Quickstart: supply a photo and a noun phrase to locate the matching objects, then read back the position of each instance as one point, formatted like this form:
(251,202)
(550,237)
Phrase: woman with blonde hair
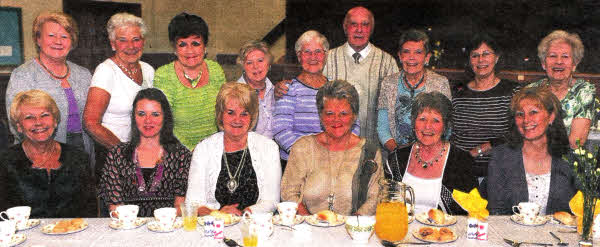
(53,178)
(55,34)
(235,170)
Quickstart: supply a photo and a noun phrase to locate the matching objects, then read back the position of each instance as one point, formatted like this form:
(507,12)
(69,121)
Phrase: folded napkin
(472,203)
(576,205)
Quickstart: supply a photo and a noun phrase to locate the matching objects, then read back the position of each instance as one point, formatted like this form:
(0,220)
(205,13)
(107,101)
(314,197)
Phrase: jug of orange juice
(391,217)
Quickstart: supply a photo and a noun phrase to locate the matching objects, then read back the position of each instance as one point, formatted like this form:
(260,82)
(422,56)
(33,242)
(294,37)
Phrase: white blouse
(538,187)
(427,190)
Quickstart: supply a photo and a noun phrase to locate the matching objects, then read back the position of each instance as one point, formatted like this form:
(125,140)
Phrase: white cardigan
(206,165)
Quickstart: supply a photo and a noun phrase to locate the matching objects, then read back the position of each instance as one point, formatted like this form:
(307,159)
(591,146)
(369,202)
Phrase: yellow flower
(590,156)
(575,163)
(577,151)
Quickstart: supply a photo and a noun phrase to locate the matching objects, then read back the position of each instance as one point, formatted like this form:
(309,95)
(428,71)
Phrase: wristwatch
(479,152)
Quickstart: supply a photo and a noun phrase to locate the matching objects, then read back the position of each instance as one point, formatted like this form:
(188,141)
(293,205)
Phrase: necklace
(429,163)
(157,175)
(333,180)
(55,75)
(232,184)
(413,88)
(129,72)
(193,81)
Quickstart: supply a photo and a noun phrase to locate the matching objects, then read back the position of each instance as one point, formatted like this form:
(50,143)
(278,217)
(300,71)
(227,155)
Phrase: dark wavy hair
(475,42)
(167,138)
(558,140)
(185,25)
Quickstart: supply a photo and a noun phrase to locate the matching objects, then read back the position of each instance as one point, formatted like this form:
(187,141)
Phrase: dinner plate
(119,226)
(315,221)
(155,226)
(539,220)
(234,220)
(418,236)
(31,223)
(297,220)
(47,229)
(424,219)
(17,239)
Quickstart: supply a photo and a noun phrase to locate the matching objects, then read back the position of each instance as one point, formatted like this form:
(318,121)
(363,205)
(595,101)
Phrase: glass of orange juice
(189,211)
(391,216)
(249,234)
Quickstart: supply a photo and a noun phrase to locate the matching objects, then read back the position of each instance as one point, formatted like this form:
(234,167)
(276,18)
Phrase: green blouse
(578,103)
(193,109)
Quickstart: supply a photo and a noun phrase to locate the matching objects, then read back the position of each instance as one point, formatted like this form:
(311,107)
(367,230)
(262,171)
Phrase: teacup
(287,212)
(126,215)
(528,211)
(360,228)
(165,217)
(7,230)
(19,214)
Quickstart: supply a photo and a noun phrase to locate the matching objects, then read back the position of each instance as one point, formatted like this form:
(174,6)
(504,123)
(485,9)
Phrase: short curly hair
(572,39)
(124,19)
(35,98)
(251,46)
(185,25)
(244,94)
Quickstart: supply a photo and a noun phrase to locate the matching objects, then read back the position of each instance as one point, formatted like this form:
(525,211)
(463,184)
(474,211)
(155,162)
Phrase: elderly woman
(529,167)
(322,166)
(55,34)
(235,170)
(191,82)
(432,166)
(560,52)
(481,114)
(256,60)
(151,170)
(116,81)
(296,113)
(53,178)
(399,90)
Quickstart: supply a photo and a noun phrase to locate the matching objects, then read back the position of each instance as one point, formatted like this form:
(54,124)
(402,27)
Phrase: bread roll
(428,233)
(437,216)
(565,218)
(446,234)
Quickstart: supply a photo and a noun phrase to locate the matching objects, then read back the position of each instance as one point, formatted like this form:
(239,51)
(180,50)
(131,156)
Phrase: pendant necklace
(413,88)
(333,180)
(193,81)
(232,183)
(426,164)
(55,75)
(157,176)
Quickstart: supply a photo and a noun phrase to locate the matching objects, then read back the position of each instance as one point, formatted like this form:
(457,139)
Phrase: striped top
(193,109)
(296,115)
(482,116)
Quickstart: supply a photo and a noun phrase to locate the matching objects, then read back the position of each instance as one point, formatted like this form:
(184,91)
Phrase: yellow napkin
(576,205)
(472,203)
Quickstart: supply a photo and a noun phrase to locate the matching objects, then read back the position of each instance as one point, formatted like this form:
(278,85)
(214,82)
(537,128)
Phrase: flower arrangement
(586,169)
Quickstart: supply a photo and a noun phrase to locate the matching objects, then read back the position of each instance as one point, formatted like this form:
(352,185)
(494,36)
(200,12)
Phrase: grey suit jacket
(507,186)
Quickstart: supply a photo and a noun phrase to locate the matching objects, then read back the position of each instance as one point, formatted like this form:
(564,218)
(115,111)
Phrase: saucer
(119,226)
(31,223)
(314,220)
(297,220)
(18,239)
(155,226)
(539,220)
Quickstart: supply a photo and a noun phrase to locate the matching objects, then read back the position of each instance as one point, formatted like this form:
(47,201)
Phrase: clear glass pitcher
(392,214)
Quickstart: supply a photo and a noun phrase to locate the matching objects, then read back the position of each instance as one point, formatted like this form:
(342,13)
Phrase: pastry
(63,226)
(222,216)
(565,218)
(436,216)
(326,215)
(428,233)
(445,234)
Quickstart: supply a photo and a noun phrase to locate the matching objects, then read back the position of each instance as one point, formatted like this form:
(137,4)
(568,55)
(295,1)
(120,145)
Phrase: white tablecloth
(99,234)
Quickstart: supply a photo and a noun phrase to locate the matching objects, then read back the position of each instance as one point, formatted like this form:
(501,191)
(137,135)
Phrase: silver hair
(124,19)
(572,39)
(309,36)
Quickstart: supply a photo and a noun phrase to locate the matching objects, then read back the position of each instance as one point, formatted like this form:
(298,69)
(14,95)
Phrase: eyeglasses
(317,52)
(485,54)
